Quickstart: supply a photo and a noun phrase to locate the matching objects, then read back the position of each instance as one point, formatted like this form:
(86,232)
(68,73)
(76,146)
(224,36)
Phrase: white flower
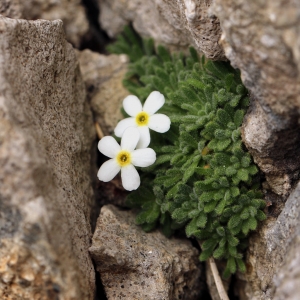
(124,158)
(144,117)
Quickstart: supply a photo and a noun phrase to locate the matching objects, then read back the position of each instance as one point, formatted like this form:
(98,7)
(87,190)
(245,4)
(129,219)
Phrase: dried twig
(99,131)
(217,278)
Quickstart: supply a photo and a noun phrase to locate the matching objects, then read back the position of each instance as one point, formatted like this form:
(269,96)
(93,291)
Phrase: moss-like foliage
(203,178)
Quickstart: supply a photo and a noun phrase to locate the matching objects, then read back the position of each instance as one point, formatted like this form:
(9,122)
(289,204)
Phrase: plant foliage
(203,179)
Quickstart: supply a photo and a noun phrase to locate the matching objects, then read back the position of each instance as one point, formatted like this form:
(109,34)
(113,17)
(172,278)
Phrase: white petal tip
(130,178)
(123,125)
(108,170)
(160,123)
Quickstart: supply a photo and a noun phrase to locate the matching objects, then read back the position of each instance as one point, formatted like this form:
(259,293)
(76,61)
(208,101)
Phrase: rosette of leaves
(203,179)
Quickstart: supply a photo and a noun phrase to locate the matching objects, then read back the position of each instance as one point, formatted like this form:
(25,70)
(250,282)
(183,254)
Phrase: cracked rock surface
(46,132)
(273,256)
(134,264)
(176,23)
(262,39)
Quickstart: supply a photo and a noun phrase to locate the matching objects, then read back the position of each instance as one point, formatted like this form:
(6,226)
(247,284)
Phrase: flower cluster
(135,138)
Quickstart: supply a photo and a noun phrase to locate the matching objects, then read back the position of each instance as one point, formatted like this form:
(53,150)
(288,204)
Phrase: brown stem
(99,131)
(218,281)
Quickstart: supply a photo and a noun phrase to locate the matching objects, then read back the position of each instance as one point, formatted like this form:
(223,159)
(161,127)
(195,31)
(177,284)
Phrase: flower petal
(143,157)
(144,140)
(132,105)
(108,170)
(130,139)
(123,125)
(130,178)
(159,122)
(109,146)
(154,102)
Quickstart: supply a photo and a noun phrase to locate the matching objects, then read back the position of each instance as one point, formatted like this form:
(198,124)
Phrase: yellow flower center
(142,118)
(123,158)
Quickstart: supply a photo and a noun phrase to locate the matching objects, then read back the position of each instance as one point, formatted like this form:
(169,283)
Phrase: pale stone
(273,256)
(10,8)
(71,12)
(134,264)
(46,133)
(175,23)
(103,75)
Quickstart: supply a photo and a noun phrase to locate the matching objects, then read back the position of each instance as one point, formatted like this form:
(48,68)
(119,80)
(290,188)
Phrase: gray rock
(10,8)
(71,12)
(174,23)
(287,282)
(273,256)
(103,75)
(262,39)
(138,265)
(46,132)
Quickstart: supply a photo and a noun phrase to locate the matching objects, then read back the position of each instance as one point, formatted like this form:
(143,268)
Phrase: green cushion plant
(203,180)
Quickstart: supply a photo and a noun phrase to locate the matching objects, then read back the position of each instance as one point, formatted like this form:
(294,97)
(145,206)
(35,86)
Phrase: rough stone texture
(71,12)
(287,282)
(46,132)
(103,77)
(273,256)
(262,39)
(10,8)
(138,265)
(179,22)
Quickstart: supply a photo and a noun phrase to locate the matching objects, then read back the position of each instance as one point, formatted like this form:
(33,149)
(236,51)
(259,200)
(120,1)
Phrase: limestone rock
(71,12)
(273,256)
(138,265)
(287,282)
(175,23)
(10,8)
(46,132)
(262,39)
(146,20)
(103,75)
